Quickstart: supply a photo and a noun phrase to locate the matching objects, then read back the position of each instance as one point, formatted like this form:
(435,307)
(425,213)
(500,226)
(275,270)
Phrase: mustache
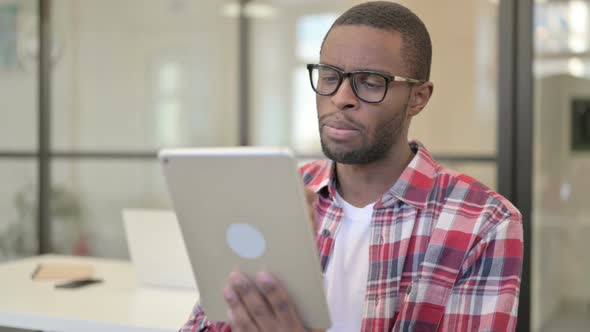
(340,116)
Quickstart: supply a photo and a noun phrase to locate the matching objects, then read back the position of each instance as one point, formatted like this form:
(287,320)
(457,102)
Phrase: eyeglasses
(368,86)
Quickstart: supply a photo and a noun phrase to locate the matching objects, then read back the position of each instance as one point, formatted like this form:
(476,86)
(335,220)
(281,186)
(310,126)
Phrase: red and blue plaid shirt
(445,252)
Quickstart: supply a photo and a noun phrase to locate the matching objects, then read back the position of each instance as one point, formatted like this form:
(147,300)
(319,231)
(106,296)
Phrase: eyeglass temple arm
(405,79)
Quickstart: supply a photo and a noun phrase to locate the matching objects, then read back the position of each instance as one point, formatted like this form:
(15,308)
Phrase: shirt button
(325,232)
(408,290)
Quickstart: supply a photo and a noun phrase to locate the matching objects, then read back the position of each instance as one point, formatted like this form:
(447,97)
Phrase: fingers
(279,300)
(239,317)
(251,312)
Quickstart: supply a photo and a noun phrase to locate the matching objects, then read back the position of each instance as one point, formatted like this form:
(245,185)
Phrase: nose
(344,98)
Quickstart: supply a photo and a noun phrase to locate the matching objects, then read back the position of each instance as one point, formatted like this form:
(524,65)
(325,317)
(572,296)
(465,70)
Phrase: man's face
(353,131)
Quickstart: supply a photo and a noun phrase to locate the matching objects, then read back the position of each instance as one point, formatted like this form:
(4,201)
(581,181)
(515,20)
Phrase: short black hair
(416,44)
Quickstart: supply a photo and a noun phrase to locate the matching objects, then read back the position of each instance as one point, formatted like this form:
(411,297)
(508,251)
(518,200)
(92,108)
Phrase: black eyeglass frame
(350,75)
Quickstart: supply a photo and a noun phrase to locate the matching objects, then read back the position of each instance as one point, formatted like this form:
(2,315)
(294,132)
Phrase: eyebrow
(362,69)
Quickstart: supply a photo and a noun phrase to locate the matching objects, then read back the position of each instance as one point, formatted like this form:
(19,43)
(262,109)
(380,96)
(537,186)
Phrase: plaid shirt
(445,252)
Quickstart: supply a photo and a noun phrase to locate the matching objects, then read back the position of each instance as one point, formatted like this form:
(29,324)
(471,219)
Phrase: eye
(371,85)
(371,81)
(329,78)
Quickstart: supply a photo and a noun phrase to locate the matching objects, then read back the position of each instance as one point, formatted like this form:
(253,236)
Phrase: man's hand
(262,305)
(312,202)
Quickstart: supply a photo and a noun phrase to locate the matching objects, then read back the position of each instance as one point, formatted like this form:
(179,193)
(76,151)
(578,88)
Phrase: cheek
(371,127)
(369,119)
(374,118)
(322,104)
(317,104)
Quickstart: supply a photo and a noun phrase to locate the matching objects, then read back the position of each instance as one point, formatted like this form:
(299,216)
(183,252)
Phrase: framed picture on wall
(8,36)
(581,125)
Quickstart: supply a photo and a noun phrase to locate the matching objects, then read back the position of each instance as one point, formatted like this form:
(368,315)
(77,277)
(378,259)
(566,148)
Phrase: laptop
(157,249)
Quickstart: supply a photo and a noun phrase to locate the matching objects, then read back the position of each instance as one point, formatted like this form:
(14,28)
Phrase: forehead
(361,47)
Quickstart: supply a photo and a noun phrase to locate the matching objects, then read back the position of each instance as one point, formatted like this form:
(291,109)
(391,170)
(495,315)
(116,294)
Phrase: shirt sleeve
(198,322)
(485,298)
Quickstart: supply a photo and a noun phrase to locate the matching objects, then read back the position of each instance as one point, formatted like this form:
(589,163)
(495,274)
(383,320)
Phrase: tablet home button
(245,240)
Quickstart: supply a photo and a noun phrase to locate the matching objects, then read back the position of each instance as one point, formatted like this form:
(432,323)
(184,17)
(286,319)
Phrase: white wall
(561,220)
(109,87)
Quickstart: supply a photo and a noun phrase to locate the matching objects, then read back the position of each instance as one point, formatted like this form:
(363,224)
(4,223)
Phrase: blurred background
(127,78)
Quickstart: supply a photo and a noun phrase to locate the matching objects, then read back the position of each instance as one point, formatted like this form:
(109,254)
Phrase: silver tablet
(245,208)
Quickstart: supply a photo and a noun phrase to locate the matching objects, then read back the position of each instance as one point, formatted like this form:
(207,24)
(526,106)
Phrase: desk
(116,305)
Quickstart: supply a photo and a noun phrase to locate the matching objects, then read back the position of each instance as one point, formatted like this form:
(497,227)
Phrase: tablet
(245,208)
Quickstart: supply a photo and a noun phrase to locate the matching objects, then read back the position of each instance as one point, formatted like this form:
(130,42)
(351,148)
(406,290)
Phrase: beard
(373,147)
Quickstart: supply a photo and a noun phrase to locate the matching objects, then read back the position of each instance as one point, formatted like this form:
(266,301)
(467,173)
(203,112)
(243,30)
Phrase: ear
(420,96)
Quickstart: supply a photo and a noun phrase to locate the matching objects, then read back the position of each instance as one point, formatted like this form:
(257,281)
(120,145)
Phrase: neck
(361,185)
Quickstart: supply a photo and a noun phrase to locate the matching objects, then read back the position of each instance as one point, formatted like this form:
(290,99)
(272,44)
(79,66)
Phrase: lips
(339,124)
(340,130)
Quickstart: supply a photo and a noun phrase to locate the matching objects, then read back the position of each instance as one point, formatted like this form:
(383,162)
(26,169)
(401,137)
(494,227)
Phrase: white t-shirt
(346,276)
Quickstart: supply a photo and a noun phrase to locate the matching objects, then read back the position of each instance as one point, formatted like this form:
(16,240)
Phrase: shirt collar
(413,186)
